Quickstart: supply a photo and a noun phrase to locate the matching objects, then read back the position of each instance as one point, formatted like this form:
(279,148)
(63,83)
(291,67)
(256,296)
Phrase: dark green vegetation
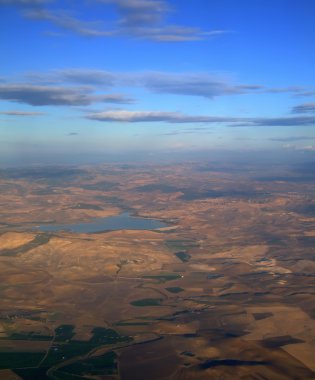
(164,277)
(98,365)
(39,240)
(30,336)
(64,333)
(181,245)
(32,373)
(147,302)
(102,336)
(20,359)
(122,323)
(63,348)
(63,351)
(67,376)
(183,256)
(101,186)
(230,363)
(213,276)
(175,289)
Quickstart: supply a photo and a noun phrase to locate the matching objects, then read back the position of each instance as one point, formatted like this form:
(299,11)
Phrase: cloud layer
(201,84)
(55,96)
(141,19)
(21,113)
(290,138)
(154,116)
(304,108)
(83,87)
(133,13)
(180,118)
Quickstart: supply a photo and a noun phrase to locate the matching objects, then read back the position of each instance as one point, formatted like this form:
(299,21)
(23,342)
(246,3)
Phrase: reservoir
(123,221)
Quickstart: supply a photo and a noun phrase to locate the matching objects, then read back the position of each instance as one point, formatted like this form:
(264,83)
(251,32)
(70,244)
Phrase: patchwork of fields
(225,290)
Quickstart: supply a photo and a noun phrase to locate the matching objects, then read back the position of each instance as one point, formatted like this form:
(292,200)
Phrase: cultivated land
(225,292)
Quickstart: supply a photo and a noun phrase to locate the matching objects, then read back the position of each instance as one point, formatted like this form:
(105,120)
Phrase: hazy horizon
(110,78)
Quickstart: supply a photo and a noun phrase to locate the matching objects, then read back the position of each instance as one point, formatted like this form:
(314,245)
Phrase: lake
(123,221)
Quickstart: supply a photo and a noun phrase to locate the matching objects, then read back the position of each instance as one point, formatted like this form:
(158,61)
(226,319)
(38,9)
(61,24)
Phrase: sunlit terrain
(224,288)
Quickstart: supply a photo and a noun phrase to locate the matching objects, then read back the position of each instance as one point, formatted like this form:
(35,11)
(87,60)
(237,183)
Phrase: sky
(87,78)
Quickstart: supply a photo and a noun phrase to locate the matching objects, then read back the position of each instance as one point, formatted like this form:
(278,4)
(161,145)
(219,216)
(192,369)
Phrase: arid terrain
(225,290)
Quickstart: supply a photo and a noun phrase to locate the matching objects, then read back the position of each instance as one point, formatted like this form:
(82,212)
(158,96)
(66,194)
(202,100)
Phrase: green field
(103,335)
(183,256)
(71,348)
(181,245)
(64,351)
(147,302)
(64,333)
(132,323)
(175,289)
(20,359)
(32,373)
(164,277)
(30,336)
(98,365)
(68,376)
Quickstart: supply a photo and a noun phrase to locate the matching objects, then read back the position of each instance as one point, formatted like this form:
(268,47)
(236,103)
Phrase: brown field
(226,291)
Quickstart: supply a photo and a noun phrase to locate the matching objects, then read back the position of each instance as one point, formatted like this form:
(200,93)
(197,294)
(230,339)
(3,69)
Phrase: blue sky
(116,76)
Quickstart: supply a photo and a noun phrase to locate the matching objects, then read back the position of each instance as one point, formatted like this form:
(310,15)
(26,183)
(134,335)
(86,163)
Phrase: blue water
(120,222)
